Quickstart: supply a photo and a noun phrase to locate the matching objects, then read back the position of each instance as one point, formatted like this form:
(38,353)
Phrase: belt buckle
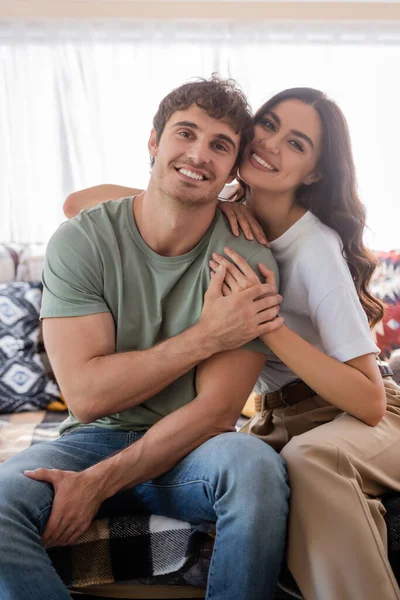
(384,368)
(271,400)
(286,399)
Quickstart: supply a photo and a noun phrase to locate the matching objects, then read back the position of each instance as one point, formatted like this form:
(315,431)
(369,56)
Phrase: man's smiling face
(194,157)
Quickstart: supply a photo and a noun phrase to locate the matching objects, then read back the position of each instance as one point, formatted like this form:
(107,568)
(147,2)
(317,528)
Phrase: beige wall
(59,9)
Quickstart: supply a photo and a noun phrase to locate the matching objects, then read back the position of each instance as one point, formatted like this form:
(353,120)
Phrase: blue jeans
(234,480)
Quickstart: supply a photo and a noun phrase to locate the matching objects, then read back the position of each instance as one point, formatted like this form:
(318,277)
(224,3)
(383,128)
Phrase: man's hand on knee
(77,499)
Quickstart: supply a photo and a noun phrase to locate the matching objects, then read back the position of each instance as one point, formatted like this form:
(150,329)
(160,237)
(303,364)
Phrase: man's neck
(167,227)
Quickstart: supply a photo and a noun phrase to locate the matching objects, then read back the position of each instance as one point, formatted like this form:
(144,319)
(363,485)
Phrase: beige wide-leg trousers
(337,543)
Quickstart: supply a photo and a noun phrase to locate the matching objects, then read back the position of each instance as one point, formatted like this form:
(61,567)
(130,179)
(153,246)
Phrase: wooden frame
(169,10)
(132,591)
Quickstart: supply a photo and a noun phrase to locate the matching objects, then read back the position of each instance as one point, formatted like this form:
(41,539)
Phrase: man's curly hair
(221,99)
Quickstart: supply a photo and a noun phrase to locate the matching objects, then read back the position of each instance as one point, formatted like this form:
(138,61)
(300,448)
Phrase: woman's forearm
(343,385)
(92,196)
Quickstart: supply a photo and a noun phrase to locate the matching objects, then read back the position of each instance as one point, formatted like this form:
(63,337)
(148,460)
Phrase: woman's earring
(311,180)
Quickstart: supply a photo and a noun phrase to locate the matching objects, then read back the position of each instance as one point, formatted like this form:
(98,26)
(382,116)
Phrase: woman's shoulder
(305,236)
(321,252)
(319,240)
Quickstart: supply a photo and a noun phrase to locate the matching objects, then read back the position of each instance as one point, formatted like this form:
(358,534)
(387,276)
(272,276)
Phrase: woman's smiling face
(285,150)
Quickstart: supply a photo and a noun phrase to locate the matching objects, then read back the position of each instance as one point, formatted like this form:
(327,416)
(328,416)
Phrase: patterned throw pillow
(386,286)
(23,382)
(8,262)
(31,262)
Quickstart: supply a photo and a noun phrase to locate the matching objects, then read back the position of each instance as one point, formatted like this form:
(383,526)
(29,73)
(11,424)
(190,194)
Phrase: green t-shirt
(98,262)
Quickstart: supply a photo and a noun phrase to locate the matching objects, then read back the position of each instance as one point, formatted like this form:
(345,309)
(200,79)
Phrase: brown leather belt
(296,391)
(288,395)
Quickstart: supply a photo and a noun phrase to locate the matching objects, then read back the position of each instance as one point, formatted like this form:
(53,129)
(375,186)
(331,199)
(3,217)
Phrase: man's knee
(21,496)
(244,450)
(254,466)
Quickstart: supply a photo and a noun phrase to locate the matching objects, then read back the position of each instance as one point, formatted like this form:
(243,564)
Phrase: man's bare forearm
(224,384)
(117,382)
(160,449)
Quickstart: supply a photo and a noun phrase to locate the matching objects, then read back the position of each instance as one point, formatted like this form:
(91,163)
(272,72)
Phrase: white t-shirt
(320,302)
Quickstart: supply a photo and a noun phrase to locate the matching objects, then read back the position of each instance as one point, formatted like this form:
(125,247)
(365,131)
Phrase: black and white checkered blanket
(124,548)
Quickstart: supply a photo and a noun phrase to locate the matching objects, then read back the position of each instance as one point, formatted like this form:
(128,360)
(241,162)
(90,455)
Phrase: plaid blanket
(124,548)
(135,547)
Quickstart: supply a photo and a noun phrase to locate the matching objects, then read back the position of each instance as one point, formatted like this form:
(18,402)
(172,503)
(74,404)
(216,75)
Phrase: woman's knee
(302,449)
(310,464)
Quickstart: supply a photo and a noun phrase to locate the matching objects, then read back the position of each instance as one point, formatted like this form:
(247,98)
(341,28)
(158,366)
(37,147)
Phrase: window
(77,103)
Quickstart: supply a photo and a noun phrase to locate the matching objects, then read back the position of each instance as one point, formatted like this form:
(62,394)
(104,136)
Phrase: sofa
(125,556)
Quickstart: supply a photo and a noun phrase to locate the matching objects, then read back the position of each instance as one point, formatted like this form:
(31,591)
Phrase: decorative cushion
(23,382)
(386,286)
(395,364)
(31,262)
(8,263)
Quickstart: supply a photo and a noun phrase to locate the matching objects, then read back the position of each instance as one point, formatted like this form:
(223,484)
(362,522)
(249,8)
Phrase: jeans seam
(35,521)
(174,485)
(210,578)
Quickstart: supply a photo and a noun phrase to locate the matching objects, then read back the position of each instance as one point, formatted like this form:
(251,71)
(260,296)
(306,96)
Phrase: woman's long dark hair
(334,198)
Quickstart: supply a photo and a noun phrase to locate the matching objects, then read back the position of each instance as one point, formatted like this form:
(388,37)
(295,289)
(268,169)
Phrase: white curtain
(77,101)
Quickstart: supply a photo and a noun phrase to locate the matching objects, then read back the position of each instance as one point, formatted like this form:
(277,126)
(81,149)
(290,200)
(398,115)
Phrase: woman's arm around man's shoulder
(92,196)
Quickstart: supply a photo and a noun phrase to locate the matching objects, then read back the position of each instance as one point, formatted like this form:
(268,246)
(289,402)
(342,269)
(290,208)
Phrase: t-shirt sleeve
(72,274)
(265,256)
(334,305)
(343,325)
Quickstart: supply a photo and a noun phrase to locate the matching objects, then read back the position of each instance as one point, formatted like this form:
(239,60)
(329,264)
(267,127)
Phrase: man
(153,369)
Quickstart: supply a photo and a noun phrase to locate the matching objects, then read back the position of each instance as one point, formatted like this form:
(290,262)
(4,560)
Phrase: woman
(340,441)
(321,398)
